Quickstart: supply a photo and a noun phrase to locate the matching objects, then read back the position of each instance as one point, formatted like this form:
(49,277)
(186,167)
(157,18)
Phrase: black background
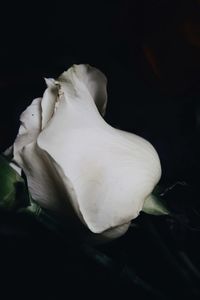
(149,50)
(150,53)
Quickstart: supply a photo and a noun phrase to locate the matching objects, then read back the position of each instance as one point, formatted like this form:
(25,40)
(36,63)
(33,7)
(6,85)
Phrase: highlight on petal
(80,77)
(30,127)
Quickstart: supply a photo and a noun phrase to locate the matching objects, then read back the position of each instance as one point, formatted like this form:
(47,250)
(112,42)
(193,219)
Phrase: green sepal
(154,205)
(13,191)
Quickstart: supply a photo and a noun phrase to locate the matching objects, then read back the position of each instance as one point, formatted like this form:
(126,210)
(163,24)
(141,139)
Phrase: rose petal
(45,184)
(30,127)
(88,78)
(49,101)
(111,173)
(114,233)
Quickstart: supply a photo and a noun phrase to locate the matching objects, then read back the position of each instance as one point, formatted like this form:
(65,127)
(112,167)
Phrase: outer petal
(45,183)
(91,79)
(111,173)
(111,234)
(30,127)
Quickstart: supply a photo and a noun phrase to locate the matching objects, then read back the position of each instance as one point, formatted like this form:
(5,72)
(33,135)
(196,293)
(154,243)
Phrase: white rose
(76,164)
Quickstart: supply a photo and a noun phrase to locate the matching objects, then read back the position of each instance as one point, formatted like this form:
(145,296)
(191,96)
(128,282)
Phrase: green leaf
(13,191)
(154,205)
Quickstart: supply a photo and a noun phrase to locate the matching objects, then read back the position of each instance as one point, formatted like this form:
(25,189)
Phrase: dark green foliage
(13,191)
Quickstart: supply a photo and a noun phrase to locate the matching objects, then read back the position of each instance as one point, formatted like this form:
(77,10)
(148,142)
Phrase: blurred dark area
(150,53)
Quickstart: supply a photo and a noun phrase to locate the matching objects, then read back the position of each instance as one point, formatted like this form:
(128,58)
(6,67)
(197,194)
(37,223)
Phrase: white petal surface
(29,129)
(44,182)
(87,78)
(49,101)
(111,172)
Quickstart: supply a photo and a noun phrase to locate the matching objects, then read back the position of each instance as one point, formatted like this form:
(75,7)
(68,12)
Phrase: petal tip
(50,82)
